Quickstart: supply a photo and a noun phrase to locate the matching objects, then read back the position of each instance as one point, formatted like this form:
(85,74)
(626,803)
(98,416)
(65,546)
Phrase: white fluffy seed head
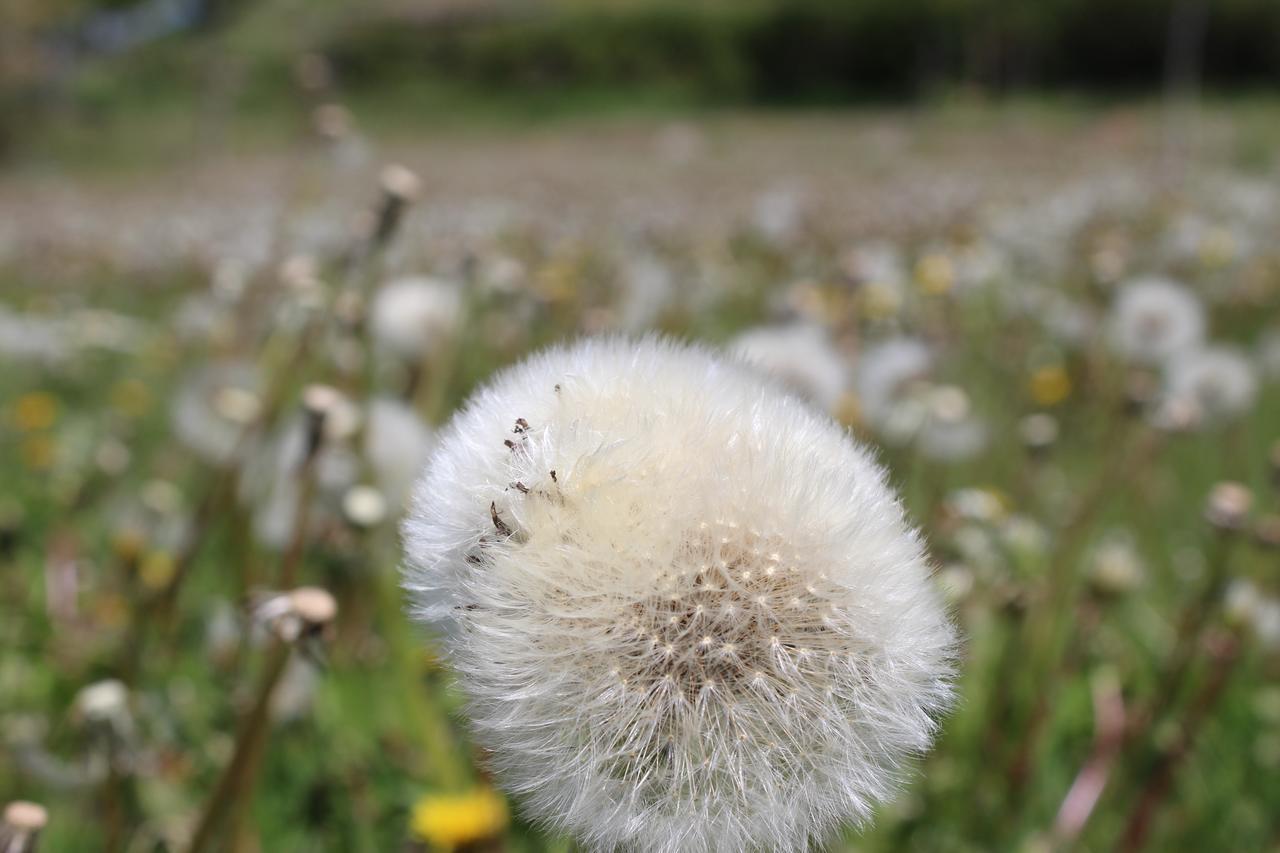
(411,317)
(1154,319)
(686,608)
(801,356)
(1217,382)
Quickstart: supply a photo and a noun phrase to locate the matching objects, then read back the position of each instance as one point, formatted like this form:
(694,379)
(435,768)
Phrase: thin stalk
(235,785)
(1224,653)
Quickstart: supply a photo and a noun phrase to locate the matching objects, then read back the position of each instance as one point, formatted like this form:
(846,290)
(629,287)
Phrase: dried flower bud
(398,182)
(315,606)
(20,825)
(102,700)
(314,72)
(364,506)
(319,402)
(1116,568)
(299,272)
(1266,531)
(1228,506)
(1039,432)
(332,121)
(400,187)
(301,612)
(1140,391)
(237,405)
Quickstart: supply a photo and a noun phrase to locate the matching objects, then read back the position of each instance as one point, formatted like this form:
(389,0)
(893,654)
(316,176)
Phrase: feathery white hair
(687,609)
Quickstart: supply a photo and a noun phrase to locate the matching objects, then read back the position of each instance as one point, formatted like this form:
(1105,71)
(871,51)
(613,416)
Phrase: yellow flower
(1050,385)
(38,452)
(131,397)
(111,609)
(935,274)
(1217,248)
(448,821)
(880,301)
(557,280)
(156,570)
(34,411)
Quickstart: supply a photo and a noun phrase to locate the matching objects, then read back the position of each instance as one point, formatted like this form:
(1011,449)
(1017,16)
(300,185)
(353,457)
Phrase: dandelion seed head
(801,356)
(1154,319)
(712,630)
(410,317)
(1216,382)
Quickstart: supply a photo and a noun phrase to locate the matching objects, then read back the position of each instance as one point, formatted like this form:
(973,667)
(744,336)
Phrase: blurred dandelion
(1154,319)
(801,357)
(454,821)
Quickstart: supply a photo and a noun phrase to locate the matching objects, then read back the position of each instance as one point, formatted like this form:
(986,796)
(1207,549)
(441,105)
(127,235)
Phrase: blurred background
(253,254)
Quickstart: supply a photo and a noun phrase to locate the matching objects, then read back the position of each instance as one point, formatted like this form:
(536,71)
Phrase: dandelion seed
(649,439)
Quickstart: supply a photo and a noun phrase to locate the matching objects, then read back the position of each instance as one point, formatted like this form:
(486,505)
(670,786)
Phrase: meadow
(225,358)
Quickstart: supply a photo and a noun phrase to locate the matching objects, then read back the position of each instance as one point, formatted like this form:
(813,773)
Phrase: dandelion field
(219,379)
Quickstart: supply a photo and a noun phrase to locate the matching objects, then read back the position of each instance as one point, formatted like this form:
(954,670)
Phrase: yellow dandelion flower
(111,610)
(1050,385)
(448,821)
(128,544)
(131,398)
(1217,248)
(880,301)
(935,274)
(556,282)
(35,411)
(38,452)
(156,570)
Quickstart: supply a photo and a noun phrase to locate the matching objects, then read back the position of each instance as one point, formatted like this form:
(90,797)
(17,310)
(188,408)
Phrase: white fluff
(396,443)
(1154,319)
(886,372)
(411,316)
(201,420)
(1218,382)
(711,629)
(801,356)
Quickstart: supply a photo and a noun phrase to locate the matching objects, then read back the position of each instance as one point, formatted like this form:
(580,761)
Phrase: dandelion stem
(1224,651)
(1056,640)
(235,786)
(1108,739)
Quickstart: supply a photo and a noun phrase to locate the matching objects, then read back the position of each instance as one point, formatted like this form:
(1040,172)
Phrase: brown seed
(498,523)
